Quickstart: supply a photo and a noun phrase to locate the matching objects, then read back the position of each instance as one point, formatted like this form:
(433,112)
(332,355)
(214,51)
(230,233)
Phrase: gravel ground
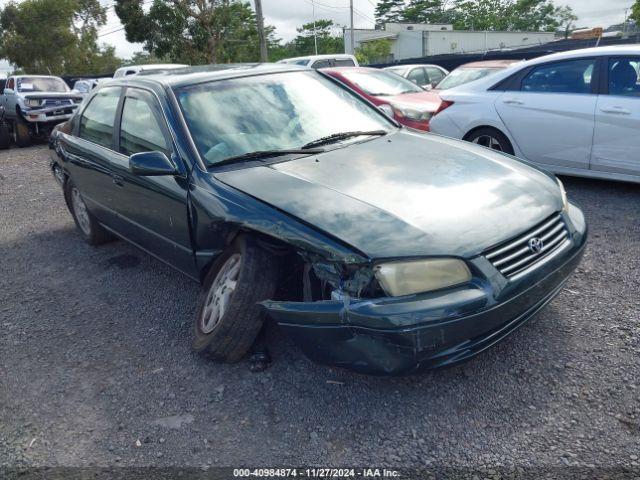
(96,366)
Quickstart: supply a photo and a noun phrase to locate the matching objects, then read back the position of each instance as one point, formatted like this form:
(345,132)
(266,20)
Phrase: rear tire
(23,135)
(5,136)
(91,231)
(229,317)
(490,138)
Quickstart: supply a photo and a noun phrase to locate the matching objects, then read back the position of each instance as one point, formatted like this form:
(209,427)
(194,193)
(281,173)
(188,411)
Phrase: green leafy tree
(55,37)
(328,37)
(190,31)
(635,12)
(529,15)
(426,11)
(389,11)
(373,51)
(566,19)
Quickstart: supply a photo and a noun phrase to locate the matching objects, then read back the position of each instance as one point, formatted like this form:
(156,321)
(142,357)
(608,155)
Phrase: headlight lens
(415,276)
(565,201)
(412,113)
(32,102)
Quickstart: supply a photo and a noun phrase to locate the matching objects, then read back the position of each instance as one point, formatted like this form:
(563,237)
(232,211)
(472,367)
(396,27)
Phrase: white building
(410,40)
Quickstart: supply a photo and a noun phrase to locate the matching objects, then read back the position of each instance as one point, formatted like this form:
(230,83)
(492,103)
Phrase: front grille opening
(526,250)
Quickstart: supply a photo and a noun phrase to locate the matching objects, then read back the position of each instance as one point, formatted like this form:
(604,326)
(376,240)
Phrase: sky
(286,15)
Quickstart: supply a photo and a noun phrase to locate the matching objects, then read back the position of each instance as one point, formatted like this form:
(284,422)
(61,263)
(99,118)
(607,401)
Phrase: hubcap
(488,141)
(80,209)
(220,293)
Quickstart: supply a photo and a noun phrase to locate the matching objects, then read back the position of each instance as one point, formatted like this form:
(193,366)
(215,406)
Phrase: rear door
(616,141)
(153,209)
(551,112)
(90,152)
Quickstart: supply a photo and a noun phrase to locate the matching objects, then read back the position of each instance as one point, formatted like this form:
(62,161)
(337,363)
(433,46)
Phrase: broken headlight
(32,102)
(415,276)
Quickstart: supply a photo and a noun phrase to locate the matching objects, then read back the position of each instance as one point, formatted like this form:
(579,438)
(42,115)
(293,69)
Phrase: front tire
(229,317)
(490,138)
(90,230)
(23,135)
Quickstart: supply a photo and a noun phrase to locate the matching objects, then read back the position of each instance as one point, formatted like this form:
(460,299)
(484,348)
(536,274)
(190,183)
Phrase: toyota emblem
(536,244)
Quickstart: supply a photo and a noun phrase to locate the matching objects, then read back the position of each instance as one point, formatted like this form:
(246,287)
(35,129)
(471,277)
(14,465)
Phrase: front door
(152,209)
(616,141)
(551,116)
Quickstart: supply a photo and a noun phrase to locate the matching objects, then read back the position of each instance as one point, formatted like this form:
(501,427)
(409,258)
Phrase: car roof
(350,69)
(317,57)
(176,78)
(490,63)
(412,65)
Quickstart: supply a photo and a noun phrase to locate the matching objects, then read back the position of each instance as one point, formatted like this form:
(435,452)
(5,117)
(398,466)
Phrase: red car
(398,97)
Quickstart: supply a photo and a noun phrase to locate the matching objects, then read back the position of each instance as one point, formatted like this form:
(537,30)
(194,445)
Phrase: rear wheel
(92,232)
(23,135)
(229,317)
(490,138)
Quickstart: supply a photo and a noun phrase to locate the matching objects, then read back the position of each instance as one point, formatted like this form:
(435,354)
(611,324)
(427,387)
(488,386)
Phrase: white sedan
(574,113)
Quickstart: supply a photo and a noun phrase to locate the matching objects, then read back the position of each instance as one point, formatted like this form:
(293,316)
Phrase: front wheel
(23,135)
(229,317)
(491,138)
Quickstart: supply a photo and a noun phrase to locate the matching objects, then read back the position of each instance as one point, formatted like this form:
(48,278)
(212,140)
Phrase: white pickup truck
(31,105)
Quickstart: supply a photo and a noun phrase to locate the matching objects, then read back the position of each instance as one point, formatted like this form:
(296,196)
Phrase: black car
(378,249)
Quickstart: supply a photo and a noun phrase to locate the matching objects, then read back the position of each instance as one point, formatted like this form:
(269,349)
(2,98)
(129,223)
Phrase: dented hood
(407,194)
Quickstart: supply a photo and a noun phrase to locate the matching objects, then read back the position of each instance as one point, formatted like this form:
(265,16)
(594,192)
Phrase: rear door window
(624,76)
(434,74)
(570,76)
(417,76)
(344,62)
(321,64)
(98,118)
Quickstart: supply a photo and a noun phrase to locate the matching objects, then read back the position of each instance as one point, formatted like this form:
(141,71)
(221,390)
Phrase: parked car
(575,113)
(136,69)
(472,71)
(425,76)
(323,61)
(396,96)
(85,85)
(34,104)
(283,192)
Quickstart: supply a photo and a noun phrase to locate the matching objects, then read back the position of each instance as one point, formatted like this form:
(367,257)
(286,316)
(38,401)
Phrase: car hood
(431,101)
(407,194)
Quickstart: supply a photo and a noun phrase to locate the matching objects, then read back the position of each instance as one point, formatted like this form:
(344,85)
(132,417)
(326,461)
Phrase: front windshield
(41,84)
(380,83)
(460,76)
(232,117)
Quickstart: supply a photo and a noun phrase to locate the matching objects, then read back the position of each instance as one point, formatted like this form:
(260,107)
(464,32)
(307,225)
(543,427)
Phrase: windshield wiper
(259,154)
(335,137)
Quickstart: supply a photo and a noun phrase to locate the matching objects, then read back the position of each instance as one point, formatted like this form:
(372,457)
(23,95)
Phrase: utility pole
(351,28)
(261,35)
(315,38)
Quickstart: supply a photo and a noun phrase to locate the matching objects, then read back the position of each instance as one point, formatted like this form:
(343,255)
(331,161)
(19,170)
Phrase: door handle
(117,180)
(616,109)
(513,101)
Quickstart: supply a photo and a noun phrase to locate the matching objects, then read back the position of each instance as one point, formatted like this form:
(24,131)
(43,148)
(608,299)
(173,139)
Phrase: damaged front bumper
(404,335)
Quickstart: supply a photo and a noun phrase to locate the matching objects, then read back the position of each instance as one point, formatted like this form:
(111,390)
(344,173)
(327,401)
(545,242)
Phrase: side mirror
(148,164)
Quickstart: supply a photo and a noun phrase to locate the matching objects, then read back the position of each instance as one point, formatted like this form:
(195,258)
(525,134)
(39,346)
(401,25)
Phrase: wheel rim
(489,142)
(220,293)
(81,212)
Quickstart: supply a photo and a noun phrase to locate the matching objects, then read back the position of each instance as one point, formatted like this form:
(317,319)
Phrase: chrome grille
(519,254)
(57,102)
